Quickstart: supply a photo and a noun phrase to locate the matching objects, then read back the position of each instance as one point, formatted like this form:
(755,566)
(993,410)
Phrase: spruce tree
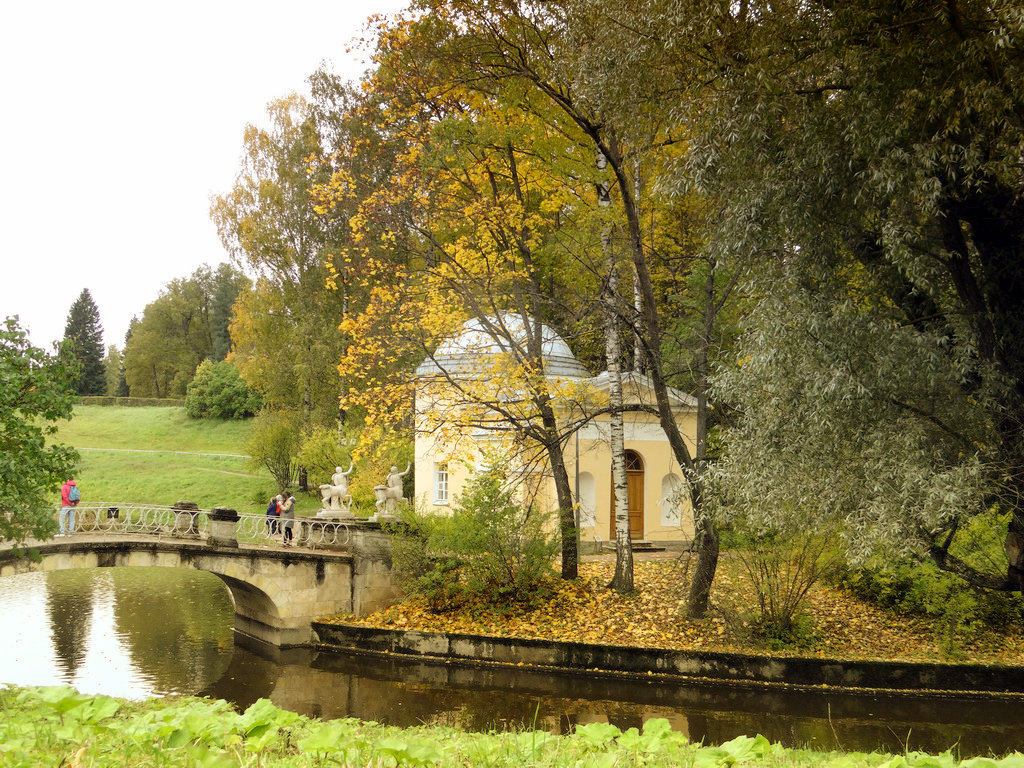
(84,334)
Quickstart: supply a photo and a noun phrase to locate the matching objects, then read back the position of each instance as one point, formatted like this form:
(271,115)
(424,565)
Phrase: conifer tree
(84,334)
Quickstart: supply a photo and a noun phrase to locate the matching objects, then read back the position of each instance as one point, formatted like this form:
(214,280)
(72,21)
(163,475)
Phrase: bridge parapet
(223,527)
(338,567)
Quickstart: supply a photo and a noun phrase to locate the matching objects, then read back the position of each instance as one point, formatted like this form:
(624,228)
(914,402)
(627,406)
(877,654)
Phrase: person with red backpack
(70,495)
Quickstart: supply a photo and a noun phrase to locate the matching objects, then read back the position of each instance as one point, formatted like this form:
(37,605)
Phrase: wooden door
(635,491)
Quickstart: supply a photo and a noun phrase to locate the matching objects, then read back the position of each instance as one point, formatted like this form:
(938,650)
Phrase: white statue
(389,494)
(335,496)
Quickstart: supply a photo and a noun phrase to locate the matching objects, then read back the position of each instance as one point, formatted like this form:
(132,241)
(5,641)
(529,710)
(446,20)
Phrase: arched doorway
(635,488)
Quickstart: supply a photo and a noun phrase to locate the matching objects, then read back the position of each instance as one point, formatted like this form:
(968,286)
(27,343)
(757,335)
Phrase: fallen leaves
(584,610)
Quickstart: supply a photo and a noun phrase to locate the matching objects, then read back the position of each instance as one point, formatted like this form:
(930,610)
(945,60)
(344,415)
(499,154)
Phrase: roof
(500,335)
(638,388)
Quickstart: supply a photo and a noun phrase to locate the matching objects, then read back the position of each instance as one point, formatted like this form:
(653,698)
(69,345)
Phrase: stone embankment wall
(730,667)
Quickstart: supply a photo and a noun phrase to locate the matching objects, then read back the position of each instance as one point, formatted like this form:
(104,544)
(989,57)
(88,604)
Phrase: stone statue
(389,494)
(335,496)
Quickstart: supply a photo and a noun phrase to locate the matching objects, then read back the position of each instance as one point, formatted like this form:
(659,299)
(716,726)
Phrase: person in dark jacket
(273,511)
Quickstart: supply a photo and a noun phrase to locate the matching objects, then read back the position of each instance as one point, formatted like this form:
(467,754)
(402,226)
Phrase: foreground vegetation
(56,726)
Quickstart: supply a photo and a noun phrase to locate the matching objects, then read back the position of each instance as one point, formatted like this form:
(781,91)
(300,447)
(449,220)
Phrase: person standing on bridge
(288,516)
(273,510)
(69,498)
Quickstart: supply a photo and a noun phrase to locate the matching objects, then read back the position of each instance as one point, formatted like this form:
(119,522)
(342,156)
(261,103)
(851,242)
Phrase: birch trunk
(622,581)
(693,467)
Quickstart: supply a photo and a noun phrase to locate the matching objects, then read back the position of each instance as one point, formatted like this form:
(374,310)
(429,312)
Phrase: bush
(490,549)
(272,445)
(320,453)
(782,569)
(132,402)
(218,392)
(921,589)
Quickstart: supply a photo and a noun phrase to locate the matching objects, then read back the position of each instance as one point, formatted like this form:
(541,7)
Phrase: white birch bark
(622,581)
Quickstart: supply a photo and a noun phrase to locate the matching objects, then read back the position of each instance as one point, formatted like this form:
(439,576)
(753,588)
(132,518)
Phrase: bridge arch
(276,594)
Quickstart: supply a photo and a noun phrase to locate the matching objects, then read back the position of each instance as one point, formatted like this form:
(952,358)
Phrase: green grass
(165,429)
(142,455)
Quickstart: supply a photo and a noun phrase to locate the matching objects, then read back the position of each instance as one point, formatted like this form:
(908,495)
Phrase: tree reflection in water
(69,604)
(155,631)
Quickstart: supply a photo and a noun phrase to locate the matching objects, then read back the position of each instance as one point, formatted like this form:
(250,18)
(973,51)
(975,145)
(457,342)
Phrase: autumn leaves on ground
(840,625)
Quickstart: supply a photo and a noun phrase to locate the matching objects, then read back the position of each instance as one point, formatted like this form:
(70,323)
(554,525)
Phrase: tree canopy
(178,330)
(869,157)
(83,337)
(35,392)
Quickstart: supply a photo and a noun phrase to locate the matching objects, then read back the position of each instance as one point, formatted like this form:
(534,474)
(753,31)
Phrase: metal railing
(330,534)
(132,518)
(153,520)
(306,531)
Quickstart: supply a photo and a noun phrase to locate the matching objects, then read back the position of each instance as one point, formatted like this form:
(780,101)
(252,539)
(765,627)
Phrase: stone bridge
(277,593)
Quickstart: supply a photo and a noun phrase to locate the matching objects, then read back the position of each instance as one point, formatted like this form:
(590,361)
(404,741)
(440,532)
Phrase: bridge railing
(150,519)
(257,529)
(306,531)
(132,518)
(329,534)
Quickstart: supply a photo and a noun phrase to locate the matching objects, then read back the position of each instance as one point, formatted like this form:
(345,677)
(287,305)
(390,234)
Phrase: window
(441,483)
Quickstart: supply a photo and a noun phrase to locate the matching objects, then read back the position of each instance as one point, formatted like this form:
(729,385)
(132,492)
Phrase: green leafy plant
(273,443)
(35,393)
(921,589)
(218,392)
(490,549)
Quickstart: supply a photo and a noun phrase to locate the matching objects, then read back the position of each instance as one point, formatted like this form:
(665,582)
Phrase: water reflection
(403,692)
(121,631)
(69,601)
(153,631)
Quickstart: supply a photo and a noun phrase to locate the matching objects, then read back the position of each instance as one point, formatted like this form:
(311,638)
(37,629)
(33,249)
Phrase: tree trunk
(563,492)
(622,581)
(704,533)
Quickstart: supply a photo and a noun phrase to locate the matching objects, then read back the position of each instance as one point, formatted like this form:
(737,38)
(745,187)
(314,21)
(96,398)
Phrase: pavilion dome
(463,354)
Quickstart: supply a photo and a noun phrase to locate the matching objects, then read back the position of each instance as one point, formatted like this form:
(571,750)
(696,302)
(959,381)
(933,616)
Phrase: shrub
(782,569)
(921,589)
(272,444)
(321,452)
(133,402)
(490,549)
(218,392)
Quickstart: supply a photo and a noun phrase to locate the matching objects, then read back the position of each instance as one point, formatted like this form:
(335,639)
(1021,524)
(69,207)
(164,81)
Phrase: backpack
(74,494)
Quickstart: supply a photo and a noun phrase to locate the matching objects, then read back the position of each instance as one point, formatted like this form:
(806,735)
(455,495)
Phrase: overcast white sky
(119,119)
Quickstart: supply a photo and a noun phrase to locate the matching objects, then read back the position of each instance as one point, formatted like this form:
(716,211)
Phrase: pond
(140,632)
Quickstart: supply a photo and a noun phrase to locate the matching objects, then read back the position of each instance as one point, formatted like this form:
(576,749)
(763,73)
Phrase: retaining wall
(730,667)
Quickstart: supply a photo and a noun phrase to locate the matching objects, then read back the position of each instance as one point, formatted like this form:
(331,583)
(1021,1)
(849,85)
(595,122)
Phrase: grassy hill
(160,456)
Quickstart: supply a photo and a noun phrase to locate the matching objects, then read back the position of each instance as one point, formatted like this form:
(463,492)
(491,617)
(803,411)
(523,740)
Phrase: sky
(119,120)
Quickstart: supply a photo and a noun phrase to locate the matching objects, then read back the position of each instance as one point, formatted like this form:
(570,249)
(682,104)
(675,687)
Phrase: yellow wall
(645,437)
(593,467)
